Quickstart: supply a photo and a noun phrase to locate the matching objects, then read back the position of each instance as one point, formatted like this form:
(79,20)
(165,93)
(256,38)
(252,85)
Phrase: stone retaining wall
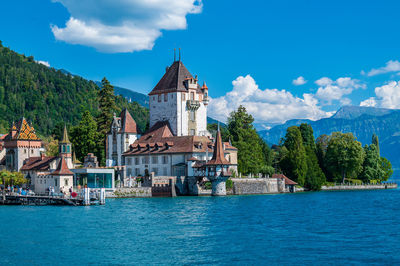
(359,187)
(247,186)
(134,192)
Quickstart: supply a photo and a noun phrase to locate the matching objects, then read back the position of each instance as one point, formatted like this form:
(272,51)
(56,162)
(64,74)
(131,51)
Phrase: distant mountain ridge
(130,95)
(361,121)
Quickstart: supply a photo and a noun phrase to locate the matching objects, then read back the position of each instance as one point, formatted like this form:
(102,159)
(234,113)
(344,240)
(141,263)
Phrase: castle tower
(65,148)
(21,143)
(62,176)
(218,168)
(180,100)
(124,131)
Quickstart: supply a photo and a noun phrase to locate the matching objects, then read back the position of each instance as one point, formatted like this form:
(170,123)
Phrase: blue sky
(248,52)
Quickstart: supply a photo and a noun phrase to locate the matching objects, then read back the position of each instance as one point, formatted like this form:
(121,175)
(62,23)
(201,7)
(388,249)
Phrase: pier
(86,197)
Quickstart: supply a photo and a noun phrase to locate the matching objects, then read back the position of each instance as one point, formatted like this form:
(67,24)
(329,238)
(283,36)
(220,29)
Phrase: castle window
(183,96)
(165,171)
(155,170)
(129,161)
(165,97)
(137,161)
(25,151)
(154,98)
(192,96)
(192,116)
(66,182)
(159,98)
(192,132)
(172,96)
(55,182)
(154,159)
(165,159)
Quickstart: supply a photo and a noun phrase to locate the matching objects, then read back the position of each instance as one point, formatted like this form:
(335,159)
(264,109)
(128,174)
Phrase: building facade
(124,131)
(179,99)
(20,144)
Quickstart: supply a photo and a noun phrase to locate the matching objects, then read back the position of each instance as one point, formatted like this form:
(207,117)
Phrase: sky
(282,60)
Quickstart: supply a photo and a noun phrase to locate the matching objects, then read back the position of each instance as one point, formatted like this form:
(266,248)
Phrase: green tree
(386,167)
(84,137)
(314,176)
(371,166)
(375,140)
(245,138)
(344,156)
(294,164)
(51,146)
(106,107)
(12,178)
(321,144)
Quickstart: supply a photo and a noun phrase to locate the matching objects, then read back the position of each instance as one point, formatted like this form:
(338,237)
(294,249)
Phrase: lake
(305,228)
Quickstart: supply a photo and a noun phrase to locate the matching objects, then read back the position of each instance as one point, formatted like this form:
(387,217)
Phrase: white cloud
(123,25)
(330,90)
(266,106)
(387,96)
(391,66)
(43,63)
(299,81)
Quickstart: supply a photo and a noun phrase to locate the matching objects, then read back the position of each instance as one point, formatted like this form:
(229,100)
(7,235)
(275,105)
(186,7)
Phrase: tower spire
(65,138)
(174,54)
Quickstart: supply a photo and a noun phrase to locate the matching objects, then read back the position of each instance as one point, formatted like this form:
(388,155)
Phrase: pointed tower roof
(62,168)
(173,79)
(74,160)
(204,87)
(65,139)
(23,131)
(128,124)
(218,155)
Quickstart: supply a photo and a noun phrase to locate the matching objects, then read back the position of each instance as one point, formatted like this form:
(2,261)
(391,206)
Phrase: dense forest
(47,97)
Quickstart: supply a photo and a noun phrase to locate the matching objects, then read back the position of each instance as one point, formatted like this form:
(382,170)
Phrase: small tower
(62,177)
(65,147)
(218,168)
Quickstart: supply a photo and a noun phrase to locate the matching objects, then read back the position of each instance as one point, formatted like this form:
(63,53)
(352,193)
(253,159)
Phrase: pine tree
(107,108)
(375,141)
(314,177)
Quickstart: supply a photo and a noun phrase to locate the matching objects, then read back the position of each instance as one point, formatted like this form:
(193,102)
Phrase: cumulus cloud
(43,63)
(391,66)
(266,106)
(387,96)
(122,25)
(330,90)
(299,81)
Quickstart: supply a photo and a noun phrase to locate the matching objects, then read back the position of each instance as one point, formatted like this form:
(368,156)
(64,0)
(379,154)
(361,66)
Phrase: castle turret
(218,168)
(65,148)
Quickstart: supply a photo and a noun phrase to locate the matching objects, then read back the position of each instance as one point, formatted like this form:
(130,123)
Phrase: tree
(85,137)
(371,166)
(106,107)
(344,156)
(386,167)
(51,146)
(12,178)
(375,141)
(294,164)
(245,138)
(321,147)
(314,176)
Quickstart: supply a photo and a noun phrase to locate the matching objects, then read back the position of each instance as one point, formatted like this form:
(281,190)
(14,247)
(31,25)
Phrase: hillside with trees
(48,97)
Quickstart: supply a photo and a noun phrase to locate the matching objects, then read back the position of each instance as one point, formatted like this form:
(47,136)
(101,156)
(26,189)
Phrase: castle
(178,138)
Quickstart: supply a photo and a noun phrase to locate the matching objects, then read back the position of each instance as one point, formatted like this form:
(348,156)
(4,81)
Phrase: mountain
(130,95)
(47,96)
(361,121)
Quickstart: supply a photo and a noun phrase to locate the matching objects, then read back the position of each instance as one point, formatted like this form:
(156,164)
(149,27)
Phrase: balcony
(192,105)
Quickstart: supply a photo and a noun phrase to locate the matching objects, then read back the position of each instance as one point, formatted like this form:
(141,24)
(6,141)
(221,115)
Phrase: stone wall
(134,192)
(247,186)
(359,187)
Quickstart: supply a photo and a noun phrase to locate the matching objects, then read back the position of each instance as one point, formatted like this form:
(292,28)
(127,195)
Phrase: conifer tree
(107,108)
(314,177)
(294,165)
(375,141)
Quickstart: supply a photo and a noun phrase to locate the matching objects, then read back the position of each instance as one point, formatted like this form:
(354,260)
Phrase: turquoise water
(305,228)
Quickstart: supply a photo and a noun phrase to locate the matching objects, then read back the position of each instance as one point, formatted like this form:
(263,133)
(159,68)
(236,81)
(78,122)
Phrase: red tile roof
(62,168)
(38,163)
(128,124)
(287,180)
(23,131)
(218,155)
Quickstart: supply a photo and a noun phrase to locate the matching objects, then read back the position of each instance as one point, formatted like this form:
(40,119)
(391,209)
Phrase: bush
(229,184)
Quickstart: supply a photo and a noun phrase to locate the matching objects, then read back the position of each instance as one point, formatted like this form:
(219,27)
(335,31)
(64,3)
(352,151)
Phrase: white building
(180,100)
(178,138)
(124,131)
